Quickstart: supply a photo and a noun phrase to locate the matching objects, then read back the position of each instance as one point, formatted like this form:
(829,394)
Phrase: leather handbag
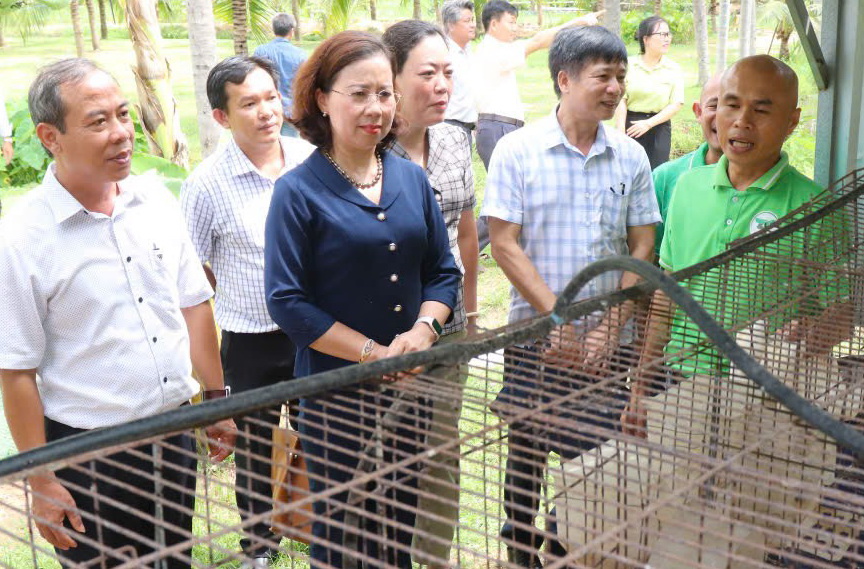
(290,485)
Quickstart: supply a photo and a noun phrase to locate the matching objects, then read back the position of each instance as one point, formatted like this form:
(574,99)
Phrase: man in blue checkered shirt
(562,193)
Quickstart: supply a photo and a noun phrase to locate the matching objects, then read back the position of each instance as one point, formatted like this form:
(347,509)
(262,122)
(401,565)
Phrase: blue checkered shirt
(573,209)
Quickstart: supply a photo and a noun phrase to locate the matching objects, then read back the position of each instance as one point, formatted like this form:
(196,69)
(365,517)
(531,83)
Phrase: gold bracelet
(472,314)
(367,350)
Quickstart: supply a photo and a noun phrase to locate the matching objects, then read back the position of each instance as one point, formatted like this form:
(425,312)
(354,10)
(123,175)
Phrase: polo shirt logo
(762,220)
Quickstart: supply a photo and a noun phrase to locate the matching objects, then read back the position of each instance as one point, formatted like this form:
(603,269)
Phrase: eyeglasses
(363,97)
(664,35)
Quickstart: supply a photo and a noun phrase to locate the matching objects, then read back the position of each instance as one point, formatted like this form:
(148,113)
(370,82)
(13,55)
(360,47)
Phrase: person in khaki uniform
(752,186)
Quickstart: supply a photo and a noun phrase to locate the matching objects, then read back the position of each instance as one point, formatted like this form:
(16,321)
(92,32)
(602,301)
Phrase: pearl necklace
(355,183)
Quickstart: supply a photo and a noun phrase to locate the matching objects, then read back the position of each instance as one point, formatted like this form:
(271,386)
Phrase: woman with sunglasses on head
(655,92)
(423,74)
(357,268)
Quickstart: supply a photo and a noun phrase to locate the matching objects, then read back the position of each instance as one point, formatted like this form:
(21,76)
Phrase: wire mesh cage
(714,424)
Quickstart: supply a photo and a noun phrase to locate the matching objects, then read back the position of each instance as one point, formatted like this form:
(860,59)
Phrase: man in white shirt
(105,299)
(562,193)
(225,202)
(457,17)
(495,62)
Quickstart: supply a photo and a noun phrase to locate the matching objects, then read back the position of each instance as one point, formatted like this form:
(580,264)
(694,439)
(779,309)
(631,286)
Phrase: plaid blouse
(449,170)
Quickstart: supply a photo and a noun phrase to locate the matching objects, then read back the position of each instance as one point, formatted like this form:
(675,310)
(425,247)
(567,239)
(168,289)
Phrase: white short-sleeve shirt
(92,302)
(494,67)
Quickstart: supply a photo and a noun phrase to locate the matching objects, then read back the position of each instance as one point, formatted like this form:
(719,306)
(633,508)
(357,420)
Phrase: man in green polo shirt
(666,175)
(774,298)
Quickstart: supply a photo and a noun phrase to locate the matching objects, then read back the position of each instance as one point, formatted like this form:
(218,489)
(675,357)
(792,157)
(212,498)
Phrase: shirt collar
(637,61)
(64,205)
(455,46)
(240,165)
(765,182)
(698,157)
(553,135)
(437,148)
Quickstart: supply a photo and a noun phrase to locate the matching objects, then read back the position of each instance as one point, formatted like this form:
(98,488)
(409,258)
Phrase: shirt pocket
(612,216)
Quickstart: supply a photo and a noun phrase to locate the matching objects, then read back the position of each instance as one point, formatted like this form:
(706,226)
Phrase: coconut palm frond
(338,13)
(26,17)
(259,14)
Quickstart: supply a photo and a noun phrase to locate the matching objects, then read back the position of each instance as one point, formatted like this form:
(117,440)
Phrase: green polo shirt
(706,215)
(666,176)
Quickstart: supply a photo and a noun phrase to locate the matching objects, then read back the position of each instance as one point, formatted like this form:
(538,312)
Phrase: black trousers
(529,444)
(134,509)
(251,361)
(657,142)
(330,427)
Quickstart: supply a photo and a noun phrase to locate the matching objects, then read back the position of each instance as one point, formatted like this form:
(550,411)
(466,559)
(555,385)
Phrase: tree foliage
(26,17)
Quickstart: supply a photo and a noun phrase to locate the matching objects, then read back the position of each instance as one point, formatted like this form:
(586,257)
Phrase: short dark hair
(451,11)
(283,24)
(403,36)
(646,28)
(574,48)
(319,73)
(44,98)
(494,9)
(234,70)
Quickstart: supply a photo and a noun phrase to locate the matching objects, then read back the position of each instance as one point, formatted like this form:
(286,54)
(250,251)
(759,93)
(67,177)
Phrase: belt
(500,118)
(463,124)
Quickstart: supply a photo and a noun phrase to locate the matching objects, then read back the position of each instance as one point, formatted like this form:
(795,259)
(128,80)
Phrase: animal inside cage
(556,442)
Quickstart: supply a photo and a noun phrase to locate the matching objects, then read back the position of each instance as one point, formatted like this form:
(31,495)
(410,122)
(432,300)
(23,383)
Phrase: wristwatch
(216,393)
(433,325)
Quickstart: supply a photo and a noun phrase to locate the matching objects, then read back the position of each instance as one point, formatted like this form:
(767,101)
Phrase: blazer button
(382,216)
(392,246)
(397,308)
(394,277)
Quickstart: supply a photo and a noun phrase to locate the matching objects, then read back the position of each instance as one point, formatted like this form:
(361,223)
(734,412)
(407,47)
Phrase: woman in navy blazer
(357,268)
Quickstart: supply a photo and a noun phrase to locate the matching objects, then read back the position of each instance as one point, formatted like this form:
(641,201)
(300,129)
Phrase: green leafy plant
(31,160)
(680,24)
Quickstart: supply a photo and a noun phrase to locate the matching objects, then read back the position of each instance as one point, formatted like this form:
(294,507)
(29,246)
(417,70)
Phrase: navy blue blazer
(331,255)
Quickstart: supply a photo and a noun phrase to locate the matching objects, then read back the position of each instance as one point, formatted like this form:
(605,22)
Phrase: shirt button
(164,380)
(128,259)
(392,246)
(382,216)
(394,277)
(728,222)
(140,299)
(735,199)
(397,308)
(154,339)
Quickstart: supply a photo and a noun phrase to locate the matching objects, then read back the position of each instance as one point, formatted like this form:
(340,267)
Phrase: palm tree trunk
(76,28)
(700,22)
(722,35)
(612,18)
(295,9)
(2,39)
(373,10)
(157,107)
(202,42)
(239,27)
(91,16)
(103,20)
(418,10)
(745,35)
(658,7)
(539,13)
(784,44)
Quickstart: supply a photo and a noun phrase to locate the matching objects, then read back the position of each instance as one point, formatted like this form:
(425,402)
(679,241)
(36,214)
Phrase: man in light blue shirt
(287,58)
(562,193)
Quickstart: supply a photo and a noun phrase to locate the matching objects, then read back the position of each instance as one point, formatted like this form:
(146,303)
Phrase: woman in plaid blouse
(423,74)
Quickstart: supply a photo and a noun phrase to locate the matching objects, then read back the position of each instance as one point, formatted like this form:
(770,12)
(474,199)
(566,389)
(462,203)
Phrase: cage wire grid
(509,450)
